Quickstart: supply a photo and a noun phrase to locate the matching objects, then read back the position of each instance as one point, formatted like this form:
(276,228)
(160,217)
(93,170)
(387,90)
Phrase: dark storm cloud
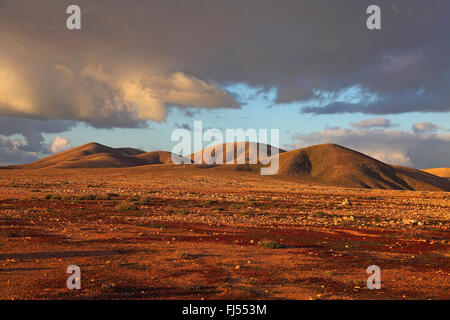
(132,59)
(392,103)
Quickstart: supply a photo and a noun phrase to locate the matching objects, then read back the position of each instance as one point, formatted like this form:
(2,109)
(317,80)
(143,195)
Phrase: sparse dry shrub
(127,206)
(273,245)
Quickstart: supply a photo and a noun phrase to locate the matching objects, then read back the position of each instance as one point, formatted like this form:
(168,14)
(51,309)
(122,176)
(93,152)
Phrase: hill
(328,164)
(95,155)
(340,166)
(231,153)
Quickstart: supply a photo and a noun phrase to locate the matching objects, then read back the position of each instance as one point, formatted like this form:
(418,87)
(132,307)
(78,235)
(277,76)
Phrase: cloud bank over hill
(417,149)
(22,141)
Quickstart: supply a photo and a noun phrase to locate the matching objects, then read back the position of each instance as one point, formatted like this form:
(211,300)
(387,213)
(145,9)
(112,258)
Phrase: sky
(137,70)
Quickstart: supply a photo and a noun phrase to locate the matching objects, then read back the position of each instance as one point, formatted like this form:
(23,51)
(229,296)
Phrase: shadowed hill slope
(95,155)
(336,165)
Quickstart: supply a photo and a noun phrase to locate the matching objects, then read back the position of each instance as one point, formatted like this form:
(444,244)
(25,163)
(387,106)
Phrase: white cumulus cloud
(60,144)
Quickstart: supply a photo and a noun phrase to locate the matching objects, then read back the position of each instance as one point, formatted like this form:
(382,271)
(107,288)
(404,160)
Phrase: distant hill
(230,153)
(340,166)
(440,172)
(95,155)
(326,163)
